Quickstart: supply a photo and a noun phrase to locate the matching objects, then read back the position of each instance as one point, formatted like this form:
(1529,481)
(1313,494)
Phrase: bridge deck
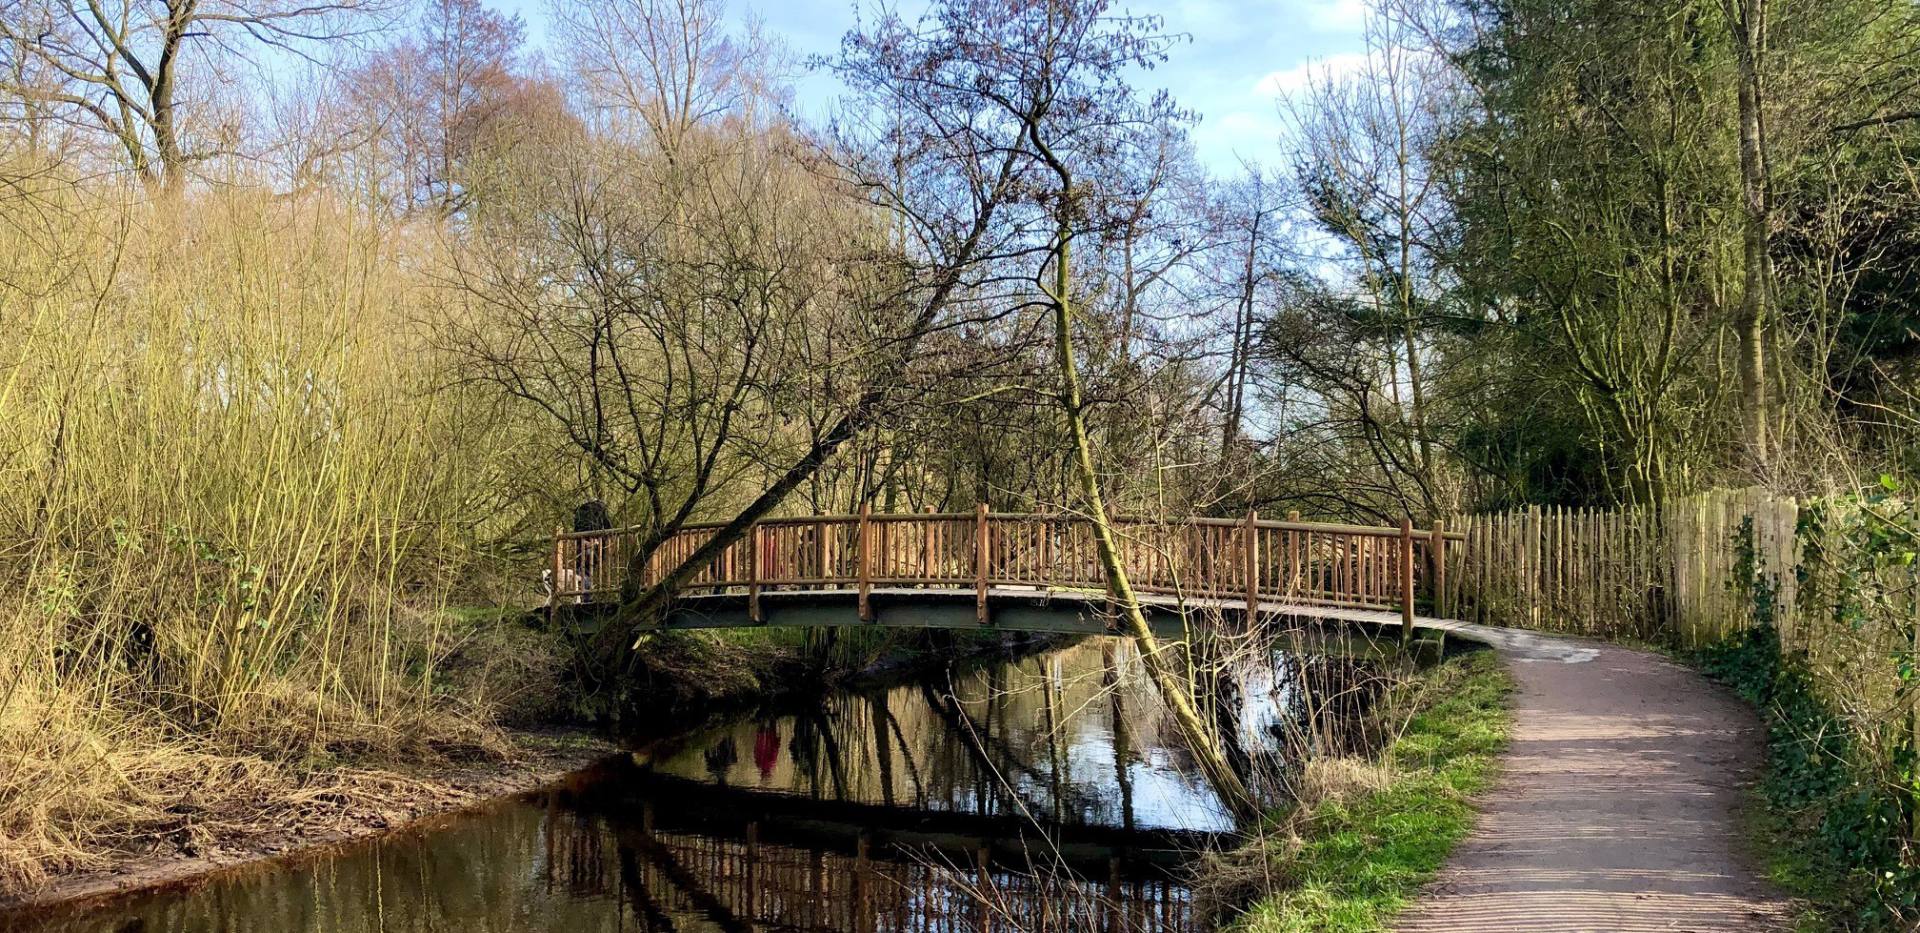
(1024,609)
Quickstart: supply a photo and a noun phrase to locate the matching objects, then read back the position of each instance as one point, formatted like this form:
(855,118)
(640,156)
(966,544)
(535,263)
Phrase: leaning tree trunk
(1200,738)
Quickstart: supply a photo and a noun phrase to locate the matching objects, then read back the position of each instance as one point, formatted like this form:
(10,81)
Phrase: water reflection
(1071,738)
(1047,794)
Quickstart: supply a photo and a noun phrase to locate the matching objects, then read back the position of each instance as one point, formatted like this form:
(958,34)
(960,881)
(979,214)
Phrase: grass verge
(1349,859)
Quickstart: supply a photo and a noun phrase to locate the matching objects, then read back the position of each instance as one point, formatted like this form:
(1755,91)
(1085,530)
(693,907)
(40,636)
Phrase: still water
(1042,794)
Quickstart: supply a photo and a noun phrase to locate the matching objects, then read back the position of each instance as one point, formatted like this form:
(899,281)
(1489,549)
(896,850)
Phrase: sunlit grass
(1352,861)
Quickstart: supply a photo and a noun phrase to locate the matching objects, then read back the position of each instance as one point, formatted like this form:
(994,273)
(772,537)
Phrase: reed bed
(227,515)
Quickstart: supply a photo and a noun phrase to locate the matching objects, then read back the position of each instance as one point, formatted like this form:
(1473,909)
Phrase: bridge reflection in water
(1044,794)
(768,878)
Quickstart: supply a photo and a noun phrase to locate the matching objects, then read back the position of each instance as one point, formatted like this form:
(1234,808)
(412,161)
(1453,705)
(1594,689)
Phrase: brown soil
(1618,808)
(391,800)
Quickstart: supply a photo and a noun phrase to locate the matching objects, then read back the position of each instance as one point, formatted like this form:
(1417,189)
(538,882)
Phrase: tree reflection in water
(1043,795)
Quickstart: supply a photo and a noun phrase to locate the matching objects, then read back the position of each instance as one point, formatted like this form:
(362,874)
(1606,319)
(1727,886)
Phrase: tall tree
(427,100)
(666,66)
(1747,29)
(115,66)
(1364,337)
(1038,93)
(911,153)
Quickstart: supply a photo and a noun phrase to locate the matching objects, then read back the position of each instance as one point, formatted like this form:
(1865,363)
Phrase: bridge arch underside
(1014,609)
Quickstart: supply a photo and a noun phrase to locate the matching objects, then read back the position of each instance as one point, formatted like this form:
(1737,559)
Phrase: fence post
(1297,578)
(866,574)
(1441,602)
(980,563)
(1406,579)
(1253,565)
(753,572)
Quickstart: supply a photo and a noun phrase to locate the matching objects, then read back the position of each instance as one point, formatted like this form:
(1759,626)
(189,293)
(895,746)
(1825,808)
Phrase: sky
(1240,57)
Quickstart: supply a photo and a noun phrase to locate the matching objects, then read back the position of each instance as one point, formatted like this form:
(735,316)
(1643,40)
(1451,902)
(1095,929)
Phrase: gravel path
(1617,807)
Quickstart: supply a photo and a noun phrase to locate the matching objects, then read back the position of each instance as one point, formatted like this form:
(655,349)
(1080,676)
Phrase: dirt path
(1617,807)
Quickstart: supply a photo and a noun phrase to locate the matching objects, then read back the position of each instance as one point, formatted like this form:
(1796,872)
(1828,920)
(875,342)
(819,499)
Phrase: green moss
(1357,863)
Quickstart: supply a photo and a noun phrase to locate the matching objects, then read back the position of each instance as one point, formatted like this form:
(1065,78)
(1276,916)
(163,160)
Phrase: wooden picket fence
(1657,574)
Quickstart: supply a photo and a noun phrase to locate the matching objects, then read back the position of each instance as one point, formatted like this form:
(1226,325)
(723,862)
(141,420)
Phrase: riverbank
(318,813)
(250,811)
(1366,833)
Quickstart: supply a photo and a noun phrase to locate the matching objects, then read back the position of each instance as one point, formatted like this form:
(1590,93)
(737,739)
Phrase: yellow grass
(225,514)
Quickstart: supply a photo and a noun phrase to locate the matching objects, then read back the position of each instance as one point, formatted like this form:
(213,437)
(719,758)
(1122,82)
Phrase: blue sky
(1241,56)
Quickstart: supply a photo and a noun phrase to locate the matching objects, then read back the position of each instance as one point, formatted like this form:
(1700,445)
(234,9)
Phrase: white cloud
(1324,70)
(1336,15)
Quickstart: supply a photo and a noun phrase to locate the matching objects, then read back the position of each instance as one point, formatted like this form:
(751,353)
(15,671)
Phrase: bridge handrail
(1382,531)
(1310,563)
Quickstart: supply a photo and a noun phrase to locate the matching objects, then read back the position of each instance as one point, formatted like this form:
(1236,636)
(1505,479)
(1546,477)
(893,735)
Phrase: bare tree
(1035,93)
(1252,211)
(115,66)
(424,102)
(1361,160)
(670,65)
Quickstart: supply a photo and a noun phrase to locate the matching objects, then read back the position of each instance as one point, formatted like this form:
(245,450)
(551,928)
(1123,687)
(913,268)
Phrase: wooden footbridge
(1038,572)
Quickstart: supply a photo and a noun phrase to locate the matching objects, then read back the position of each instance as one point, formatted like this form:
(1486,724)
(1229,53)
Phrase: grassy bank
(1827,832)
(1367,833)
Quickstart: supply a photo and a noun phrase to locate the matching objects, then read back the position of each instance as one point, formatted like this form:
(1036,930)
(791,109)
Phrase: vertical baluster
(1406,579)
(980,545)
(862,547)
(1252,553)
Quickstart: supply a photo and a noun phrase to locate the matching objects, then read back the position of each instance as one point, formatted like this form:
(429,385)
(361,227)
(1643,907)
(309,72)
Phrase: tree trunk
(1173,687)
(1242,341)
(166,135)
(1747,23)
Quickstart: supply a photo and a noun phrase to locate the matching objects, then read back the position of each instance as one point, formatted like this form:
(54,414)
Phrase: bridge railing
(1242,559)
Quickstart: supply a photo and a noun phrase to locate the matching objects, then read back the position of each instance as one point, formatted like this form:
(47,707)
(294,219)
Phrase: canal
(1047,793)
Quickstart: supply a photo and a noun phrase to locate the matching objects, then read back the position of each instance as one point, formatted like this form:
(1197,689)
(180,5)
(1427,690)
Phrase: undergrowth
(1838,700)
(1829,835)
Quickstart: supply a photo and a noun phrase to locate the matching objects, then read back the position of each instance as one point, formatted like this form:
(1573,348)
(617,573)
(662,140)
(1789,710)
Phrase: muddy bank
(355,805)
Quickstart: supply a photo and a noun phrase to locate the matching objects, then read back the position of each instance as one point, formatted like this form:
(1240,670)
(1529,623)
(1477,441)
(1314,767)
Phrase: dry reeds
(224,512)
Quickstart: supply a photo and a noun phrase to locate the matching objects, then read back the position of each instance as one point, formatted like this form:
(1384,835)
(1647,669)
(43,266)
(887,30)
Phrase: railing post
(980,563)
(823,549)
(866,573)
(1297,579)
(753,572)
(1406,579)
(1252,552)
(553,592)
(1441,602)
(1044,569)
(928,573)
